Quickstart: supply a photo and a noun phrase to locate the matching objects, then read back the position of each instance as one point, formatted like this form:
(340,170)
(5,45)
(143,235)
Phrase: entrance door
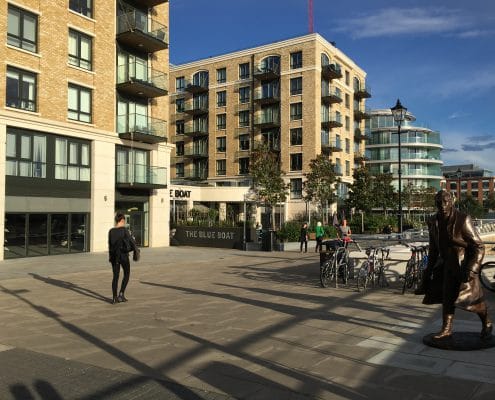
(136,225)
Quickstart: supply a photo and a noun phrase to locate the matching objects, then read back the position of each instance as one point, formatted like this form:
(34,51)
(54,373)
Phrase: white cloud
(458,114)
(476,83)
(406,21)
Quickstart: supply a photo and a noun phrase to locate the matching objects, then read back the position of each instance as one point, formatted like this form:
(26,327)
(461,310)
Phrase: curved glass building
(420,150)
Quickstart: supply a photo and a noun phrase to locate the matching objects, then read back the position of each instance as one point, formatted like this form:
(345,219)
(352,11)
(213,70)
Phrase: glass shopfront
(39,234)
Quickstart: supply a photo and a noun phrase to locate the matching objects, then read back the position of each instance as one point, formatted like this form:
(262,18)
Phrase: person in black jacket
(120,243)
(303,238)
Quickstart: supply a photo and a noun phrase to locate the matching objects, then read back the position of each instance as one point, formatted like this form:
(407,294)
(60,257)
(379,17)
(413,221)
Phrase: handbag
(136,255)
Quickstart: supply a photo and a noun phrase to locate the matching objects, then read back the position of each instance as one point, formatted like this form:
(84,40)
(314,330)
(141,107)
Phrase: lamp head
(399,112)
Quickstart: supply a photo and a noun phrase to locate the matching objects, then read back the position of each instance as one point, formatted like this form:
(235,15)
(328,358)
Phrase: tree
(383,193)
(320,182)
(471,206)
(268,185)
(489,203)
(360,195)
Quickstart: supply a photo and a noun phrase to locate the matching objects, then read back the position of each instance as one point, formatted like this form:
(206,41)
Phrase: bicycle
(338,265)
(413,276)
(487,275)
(373,268)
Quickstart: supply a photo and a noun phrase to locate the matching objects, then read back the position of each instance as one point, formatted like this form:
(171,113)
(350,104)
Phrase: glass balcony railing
(268,119)
(332,95)
(142,175)
(197,85)
(141,128)
(362,91)
(331,120)
(196,173)
(137,79)
(196,107)
(136,29)
(331,71)
(405,138)
(196,151)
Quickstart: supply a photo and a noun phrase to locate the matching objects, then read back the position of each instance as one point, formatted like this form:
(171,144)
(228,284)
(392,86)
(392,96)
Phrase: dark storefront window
(29,235)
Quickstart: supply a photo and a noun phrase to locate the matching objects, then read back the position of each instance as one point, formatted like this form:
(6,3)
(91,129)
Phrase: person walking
(345,232)
(120,244)
(303,237)
(319,233)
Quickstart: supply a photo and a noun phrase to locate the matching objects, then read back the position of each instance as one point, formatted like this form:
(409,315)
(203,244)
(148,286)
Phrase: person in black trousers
(303,237)
(120,243)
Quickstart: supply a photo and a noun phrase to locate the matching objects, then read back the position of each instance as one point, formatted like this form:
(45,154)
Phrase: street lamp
(399,114)
(458,174)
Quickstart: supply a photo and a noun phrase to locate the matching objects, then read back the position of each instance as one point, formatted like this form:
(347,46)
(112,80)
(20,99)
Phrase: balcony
(196,152)
(331,121)
(198,174)
(147,3)
(267,72)
(135,30)
(360,156)
(242,130)
(329,146)
(360,134)
(196,107)
(138,80)
(140,176)
(331,71)
(242,154)
(195,130)
(360,114)
(267,96)
(141,128)
(362,92)
(267,121)
(195,86)
(331,96)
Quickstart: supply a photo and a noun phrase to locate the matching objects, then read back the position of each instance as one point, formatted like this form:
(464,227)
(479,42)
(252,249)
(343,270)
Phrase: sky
(437,56)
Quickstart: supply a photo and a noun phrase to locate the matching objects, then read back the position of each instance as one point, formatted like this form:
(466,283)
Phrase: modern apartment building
(469,179)
(420,150)
(302,97)
(83,111)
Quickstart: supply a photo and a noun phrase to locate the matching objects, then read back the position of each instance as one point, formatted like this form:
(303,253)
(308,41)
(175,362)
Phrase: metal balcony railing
(141,128)
(141,175)
(136,29)
(139,80)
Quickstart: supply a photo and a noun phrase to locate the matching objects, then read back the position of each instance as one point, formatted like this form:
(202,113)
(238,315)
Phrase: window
(22,29)
(244,165)
(180,84)
(179,127)
(221,144)
(296,137)
(179,170)
(243,118)
(244,71)
(296,188)
(243,142)
(347,123)
(347,101)
(83,7)
(21,89)
(221,121)
(221,98)
(296,60)
(71,160)
(80,49)
(79,103)
(179,105)
(296,86)
(296,162)
(221,167)
(221,75)
(179,148)
(295,111)
(347,146)
(26,155)
(347,168)
(244,93)
(347,78)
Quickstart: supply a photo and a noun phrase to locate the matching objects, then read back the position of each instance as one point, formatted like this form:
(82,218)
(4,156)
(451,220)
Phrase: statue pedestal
(460,341)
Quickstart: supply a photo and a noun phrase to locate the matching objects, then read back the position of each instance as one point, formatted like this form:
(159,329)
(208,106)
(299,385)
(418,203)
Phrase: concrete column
(222,211)
(3,140)
(102,194)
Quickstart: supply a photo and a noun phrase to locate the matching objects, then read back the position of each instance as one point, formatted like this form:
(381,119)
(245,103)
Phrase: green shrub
(290,231)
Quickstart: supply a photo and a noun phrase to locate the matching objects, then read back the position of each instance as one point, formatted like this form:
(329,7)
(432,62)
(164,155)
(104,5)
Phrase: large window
(221,144)
(244,118)
(296,162)
(244,71)
(296,86)
(221,121)
(22,29)
(179,148)
(244,166)
(72,160)
(180,84)
(79,107)
(296,188)
(296,137)
(179,170)
(295,111)
(80,49)
(26,155)
(296,60)
(21,89)
(180,105)
(221,167)
(243,142)
(84,7)
(179,127)
(244,93)
(221,75)
(221,98)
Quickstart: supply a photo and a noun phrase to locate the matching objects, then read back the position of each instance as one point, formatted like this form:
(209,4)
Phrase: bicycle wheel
(327,273)
(409,276)
(344,269)
(381,280)
(487,275)
(362,276)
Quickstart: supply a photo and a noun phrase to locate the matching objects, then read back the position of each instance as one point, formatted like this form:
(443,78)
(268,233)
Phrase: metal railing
(141,174)
(138,20)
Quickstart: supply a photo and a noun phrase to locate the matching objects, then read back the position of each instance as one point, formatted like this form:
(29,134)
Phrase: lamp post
(399,114)
(458,174)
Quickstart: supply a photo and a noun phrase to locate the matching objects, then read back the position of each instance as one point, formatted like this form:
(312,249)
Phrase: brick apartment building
(469,179)
(83,111)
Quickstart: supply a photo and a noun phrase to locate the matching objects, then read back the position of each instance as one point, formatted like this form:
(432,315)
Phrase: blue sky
(437,56)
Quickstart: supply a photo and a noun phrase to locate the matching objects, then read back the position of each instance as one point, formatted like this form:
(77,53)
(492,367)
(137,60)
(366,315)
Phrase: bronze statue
(451,277)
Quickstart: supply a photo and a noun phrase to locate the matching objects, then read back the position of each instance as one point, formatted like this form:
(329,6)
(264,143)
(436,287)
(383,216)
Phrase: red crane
(310,15)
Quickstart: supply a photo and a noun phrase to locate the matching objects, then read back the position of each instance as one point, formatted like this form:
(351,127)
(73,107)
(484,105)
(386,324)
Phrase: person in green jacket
(319,233)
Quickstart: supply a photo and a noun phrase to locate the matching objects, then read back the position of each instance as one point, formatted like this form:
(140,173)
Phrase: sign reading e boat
(179,193)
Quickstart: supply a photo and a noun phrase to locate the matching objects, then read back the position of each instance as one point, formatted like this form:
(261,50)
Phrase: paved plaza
(206,323)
